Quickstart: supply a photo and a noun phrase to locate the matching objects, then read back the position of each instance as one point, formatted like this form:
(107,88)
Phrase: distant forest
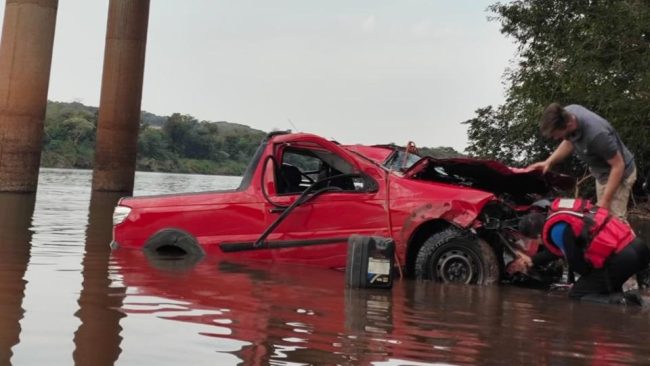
(178,143)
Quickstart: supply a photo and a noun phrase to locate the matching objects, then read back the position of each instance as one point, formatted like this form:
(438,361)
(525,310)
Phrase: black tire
(453,256)
(173,242)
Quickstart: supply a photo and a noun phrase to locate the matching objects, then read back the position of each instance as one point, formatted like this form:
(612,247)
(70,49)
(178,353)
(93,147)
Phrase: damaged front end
(517,192)
(498,224)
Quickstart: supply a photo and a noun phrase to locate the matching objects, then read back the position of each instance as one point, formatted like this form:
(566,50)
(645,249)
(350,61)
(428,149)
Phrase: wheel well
(423,232)
(170,250)
(172,242)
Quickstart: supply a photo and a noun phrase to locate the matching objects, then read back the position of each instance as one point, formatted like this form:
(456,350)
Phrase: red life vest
(602,233)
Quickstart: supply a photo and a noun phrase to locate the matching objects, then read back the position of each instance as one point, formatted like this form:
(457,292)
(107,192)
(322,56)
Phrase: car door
(316,232)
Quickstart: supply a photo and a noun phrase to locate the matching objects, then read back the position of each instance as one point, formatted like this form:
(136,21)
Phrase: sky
(357,71)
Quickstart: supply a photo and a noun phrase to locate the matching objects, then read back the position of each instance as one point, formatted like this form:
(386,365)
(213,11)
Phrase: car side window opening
(300,168)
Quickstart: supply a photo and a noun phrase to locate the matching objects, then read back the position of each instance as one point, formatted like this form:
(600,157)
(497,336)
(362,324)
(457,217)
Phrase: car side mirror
(364,183)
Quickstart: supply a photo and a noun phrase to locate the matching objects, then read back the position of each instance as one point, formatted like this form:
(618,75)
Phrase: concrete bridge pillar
(25,61)
(121,95)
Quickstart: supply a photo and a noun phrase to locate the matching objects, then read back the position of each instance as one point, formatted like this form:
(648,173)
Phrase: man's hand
(522,264)
(561,152)
(544,166)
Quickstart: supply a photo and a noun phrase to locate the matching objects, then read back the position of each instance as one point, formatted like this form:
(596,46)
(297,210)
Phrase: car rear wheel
(173,243)
(453,256)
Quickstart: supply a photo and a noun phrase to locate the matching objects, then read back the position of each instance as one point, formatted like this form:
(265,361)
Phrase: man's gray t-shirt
(595,141)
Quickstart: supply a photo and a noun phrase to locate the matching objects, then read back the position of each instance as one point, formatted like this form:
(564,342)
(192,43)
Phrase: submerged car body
(303,196)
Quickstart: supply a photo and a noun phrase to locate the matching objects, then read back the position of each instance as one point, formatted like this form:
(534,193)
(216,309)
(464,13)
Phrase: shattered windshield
(401,161)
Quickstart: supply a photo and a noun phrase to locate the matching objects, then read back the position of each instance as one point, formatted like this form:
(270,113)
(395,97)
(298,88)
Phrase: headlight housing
(120,213)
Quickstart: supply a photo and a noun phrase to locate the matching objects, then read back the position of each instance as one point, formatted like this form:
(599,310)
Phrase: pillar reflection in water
(97,340)
(15,245)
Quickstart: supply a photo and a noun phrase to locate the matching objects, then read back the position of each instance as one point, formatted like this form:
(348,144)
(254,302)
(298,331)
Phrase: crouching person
(601,248)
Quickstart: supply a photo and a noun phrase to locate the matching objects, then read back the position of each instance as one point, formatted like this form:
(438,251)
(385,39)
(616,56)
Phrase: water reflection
(255,313)
(15,236)
(271,314)
(96,307)
(470,325)
(368,319)
(97,340)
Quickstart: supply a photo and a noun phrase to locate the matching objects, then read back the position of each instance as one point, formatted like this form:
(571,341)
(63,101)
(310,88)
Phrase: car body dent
(414,203)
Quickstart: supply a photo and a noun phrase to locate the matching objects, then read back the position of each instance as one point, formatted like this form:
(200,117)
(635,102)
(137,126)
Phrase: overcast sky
(358,71)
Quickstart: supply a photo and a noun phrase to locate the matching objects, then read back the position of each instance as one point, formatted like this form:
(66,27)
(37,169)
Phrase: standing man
(598,145)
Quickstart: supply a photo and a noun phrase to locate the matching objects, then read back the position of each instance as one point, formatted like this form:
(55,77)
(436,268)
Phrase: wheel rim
(457,266)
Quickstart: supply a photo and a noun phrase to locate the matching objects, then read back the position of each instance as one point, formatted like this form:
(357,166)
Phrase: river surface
(66,298)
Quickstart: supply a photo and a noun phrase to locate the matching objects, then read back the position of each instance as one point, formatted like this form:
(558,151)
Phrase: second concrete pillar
(121,95)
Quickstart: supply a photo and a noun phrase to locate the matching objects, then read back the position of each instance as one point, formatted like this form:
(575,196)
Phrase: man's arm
(523,263)
(561,152)
(613,181)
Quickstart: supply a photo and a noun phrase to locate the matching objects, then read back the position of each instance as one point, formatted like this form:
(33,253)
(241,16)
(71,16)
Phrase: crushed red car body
(302,196)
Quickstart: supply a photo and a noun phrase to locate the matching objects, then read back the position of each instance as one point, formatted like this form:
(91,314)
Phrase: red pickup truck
(303,196)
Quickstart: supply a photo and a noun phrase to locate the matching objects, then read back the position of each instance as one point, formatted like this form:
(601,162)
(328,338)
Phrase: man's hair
(553,118)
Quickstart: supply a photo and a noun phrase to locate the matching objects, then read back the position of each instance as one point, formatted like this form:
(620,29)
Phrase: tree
(589,52)
(178,128)
(441,152)
(153,143)
(79,130)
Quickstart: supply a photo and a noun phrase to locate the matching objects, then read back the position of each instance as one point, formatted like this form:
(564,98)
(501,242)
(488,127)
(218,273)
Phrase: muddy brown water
(66,299)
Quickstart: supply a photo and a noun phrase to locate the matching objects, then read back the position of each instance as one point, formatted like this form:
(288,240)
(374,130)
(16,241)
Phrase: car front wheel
(453,256)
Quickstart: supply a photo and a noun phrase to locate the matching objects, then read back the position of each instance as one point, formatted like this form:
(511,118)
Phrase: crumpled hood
(489,175)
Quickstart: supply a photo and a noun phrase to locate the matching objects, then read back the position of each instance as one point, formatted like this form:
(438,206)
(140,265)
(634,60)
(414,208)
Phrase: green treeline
(178,143)
(69,136)
(442,152)
(185,145)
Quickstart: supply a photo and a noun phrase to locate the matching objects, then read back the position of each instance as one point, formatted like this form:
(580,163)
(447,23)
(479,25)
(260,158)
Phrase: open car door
(344,202)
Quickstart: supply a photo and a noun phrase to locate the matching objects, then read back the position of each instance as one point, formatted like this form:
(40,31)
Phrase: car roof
(376,153)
